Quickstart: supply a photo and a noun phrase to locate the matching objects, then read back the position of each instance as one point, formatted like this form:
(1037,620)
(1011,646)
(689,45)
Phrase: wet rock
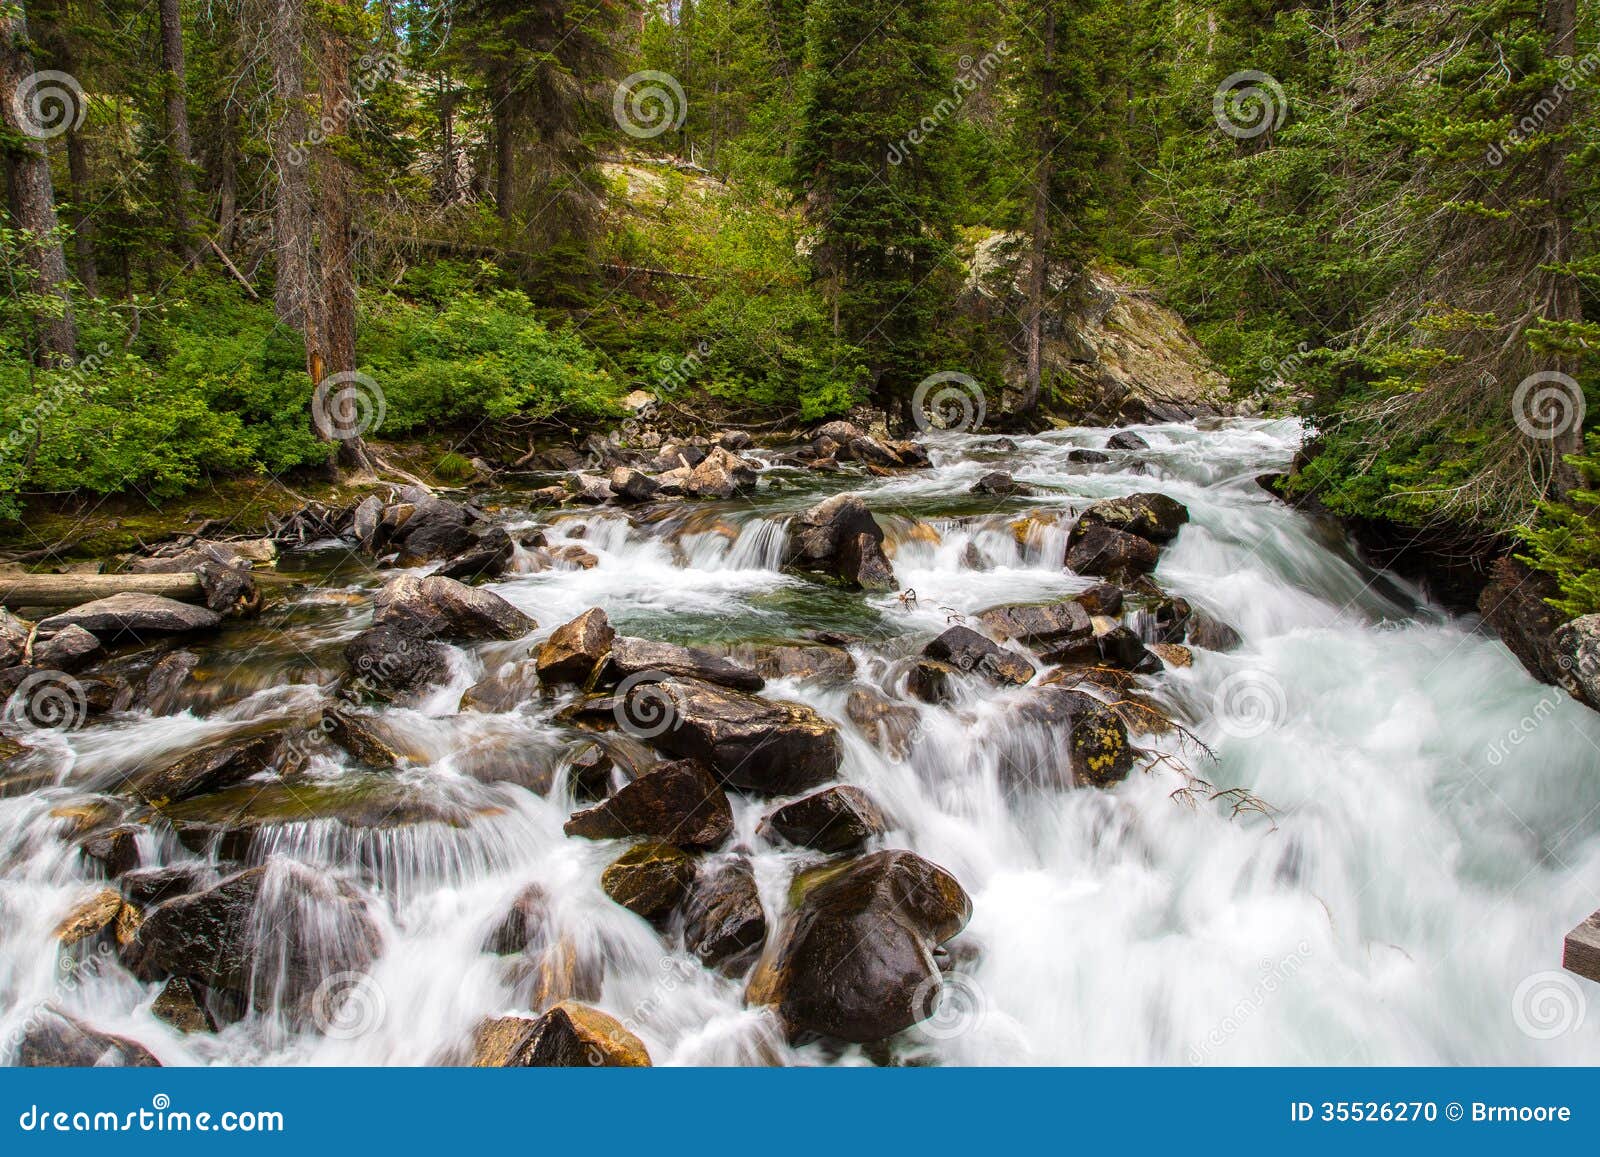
(589,773)
(839,536)
(679,803)
(891,726)
(525,926)
(966,650)
(974,559)
(574,651)
(1101,550)
(98,915)
(433,529)
(632,486)
(1577,649)
(1127,440)
(163,687)
(319,926)
(801,662)
(632,658)
(113,851)
(107,694)
(855,961)
(1058,737)
(835,820)
(216,765)
(14,634)
(358,734)
(70,649)
(1046,627)
(570,1035)
(180,1005)
(724,924)
(388,661)
(1088,456)
(505,690)
(756,745)
(1101,599)
(1151,516)
(930,680)
(1211,634)
(147,887)
(720,475)
(1118,646)
(487,558)
(1172,654)
(443,608)
(1514,603)
(575,557)
(139,617)
(56,1040)
(650,880)
(999,484)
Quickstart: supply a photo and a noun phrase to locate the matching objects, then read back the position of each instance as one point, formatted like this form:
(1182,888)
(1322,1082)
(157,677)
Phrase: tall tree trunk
(178,144)
(505,152)
(1038,267)
(33,197)
(82,222)
(444,187)
(284,22)
(1559,290)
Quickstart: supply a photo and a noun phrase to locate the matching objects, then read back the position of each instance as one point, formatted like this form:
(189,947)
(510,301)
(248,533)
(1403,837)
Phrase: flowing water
(1431,822)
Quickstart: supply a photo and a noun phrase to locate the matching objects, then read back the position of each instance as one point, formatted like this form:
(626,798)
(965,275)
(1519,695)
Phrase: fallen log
(71,590)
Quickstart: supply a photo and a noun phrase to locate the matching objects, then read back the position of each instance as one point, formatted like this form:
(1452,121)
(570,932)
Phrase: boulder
(442,608)
(679,803)
(999,484)
(1514,604)
(649,880)
(1151,516)
(724,923)
(720,474)
(365,523)
(855,961)
(966,650)
(1577,649)
(574,650)
(56,1040)
(524,927)
(163,687)
(99,915)
(930,680)
(1172,654)
(839,536)
(357,732)
(892,727)
(389,661)
(434,528)
(147,887)
(1088,456)
(1101,599)
(14,634)
(589,772)
(574,557)
(1046,627)
(755,745)
(1212,634)
(180,1004)
(113,851)
(836,820)
(70,649)
(1058,737)
(631,485)
(319,926)
(632,658)
(734,440)
(796,661)
(1100,550)
(127,615)
(569,1035)
(487,558)
(215,765)
(1126,440)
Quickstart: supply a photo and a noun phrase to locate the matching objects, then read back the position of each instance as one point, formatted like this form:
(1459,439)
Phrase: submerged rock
(680,803)
(855,960)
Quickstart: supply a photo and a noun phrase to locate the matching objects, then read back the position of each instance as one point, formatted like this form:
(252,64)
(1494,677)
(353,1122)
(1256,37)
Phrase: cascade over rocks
(855,959)
(650,880)
(1058,737)
(966,650)
(1116,554)
(56,1040)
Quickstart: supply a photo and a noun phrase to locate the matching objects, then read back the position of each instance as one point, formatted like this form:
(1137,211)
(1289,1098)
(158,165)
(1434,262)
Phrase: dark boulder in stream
(1060,738)
(1151,516)
(443,608)
(724,923)
(1109,553)
(127,615)
(639,659)
(839,536)
(966,650)
(855,959)
(56,1040)
(835,820)
(680,803)
(388,661)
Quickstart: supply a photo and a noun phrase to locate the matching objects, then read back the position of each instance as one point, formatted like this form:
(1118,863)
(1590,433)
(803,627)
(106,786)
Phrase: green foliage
(1565,543)
(453,467)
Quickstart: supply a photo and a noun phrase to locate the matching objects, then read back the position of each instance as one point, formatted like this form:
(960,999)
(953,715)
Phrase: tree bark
(284,22)
(505,152)
(71,590)
(33,197)
(178,143)
(82,222)
(1038,268)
